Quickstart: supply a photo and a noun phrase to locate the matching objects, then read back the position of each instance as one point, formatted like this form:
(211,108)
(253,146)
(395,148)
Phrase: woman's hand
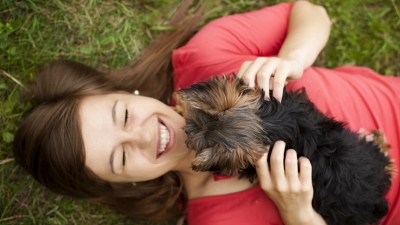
(271,73)
(290,190)
(307,34)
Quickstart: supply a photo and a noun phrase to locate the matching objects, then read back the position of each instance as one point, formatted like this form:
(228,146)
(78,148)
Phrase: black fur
(348,172)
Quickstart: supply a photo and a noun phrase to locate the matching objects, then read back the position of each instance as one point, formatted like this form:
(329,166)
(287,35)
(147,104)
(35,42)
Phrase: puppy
(230,124)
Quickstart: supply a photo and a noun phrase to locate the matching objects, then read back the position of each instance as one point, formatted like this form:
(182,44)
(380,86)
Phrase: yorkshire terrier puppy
(229,126)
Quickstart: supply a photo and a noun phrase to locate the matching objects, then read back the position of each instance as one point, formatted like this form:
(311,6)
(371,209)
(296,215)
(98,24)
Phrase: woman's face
(132,138)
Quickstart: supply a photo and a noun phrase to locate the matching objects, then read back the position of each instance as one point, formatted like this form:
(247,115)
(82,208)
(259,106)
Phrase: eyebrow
(113,113)
(114,119)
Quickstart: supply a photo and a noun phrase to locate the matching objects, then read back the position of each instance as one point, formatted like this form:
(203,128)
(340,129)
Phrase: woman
(88,139)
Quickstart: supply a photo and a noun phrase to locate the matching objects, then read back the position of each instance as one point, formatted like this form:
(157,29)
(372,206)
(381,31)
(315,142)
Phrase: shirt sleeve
(224,44)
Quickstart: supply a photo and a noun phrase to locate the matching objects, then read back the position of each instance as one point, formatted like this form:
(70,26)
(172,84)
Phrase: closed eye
(123,158)
(126,117)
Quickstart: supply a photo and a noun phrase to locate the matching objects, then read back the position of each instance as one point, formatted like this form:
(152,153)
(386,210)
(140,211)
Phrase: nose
(139,137)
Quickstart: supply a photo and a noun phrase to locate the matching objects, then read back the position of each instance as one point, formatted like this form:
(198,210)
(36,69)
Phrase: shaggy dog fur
(229,126)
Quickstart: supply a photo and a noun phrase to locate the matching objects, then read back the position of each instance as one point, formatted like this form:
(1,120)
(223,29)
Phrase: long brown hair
(49,143)
(151,74)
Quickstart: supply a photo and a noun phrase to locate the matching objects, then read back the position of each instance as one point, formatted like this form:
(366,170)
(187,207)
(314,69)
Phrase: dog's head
(222,126)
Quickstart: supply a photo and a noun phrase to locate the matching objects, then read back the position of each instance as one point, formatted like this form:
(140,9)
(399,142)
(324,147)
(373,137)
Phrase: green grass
(109,34)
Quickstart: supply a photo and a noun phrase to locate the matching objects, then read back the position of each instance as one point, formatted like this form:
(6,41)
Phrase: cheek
(147,175)
(140,169)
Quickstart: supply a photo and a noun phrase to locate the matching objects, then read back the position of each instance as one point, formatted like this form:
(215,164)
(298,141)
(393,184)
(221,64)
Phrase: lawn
(109,34)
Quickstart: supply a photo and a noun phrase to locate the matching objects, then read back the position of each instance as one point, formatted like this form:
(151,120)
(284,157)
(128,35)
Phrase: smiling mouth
(164,139)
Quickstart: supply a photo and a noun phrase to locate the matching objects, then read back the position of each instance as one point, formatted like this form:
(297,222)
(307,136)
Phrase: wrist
(306,216)
(297,56)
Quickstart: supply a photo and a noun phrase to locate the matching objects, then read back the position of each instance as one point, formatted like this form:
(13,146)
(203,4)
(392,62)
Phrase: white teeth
(164,135)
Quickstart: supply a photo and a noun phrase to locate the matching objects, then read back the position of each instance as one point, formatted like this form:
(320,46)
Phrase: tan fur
(380,139)
(179,106)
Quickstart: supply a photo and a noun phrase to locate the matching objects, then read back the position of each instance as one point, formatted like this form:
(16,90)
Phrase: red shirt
(355,95)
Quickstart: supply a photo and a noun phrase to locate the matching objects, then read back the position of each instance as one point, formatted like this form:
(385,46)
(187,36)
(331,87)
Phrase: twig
(13,217)
(7,10)
(4,161)
(395,8)
(14,79)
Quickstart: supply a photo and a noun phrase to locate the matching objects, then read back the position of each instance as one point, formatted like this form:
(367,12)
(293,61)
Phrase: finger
(249,76)
(262,170)
(305,172)
(362,131)
(243,68)
(291,166)
(271,81)
(276,163)
(281,73)
(265,73)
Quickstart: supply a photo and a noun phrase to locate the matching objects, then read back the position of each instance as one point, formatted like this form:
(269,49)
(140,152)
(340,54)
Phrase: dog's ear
(197,128)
